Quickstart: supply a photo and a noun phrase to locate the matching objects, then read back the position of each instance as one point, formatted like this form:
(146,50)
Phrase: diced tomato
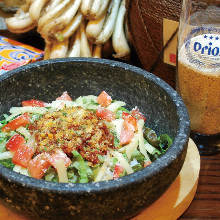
(33,103)
(118,171)
(64,97)
(58,154)
(125,114)
(127,133)
(15,142)
(38,166)
(128,118)
(105,114)
(137,114)
(128,128)
(23,155)
(104,99)
(21,120)
(147,163)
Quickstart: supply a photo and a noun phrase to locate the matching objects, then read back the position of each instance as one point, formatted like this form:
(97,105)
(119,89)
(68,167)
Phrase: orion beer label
(212,49)
(203,48)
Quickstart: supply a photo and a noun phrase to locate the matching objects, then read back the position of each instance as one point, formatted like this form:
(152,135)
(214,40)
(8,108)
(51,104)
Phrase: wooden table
(206,203)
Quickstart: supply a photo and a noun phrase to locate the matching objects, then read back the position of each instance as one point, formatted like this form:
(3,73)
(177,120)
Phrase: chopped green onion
(165,142)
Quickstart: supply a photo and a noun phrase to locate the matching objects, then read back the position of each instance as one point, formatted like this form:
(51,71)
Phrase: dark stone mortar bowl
(115,199)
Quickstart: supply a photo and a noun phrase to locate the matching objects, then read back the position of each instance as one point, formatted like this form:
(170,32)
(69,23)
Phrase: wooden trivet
(172,204)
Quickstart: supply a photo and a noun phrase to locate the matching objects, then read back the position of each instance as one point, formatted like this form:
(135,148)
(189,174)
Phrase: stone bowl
(115,199)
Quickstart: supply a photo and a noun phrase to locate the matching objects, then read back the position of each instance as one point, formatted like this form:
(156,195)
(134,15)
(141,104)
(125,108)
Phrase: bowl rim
(176,148)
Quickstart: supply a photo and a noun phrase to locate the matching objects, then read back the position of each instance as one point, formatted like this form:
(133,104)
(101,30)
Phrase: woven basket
(145,22)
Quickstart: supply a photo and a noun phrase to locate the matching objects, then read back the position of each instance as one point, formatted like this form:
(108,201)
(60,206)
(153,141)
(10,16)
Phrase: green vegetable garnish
(115,160)
(51,175)
(35,117)
(7,163)
(64,114)
(101,158)
(137,167)
(165,141)
(81,166)
(142,142)
(151,136)
(72,178)
(119,112)
(116,140)
(138,156)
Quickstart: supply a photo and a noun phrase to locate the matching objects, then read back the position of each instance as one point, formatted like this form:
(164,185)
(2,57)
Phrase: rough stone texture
(117,199)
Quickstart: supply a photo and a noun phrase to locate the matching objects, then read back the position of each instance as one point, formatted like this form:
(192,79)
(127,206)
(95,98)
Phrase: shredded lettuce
(132,146)
(21,170)
(141,145)
(114,106)
(30,109)
(117,124)
(82,167)
(23,131)
(130,157)
(3,141)
(58,104)
(6,155)
(87,102)
(100,173)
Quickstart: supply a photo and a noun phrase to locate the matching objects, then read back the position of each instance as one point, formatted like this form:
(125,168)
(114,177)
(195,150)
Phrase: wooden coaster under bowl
(171,204)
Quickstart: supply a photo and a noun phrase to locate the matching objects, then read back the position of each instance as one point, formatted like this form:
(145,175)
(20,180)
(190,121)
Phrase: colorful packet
(14,54)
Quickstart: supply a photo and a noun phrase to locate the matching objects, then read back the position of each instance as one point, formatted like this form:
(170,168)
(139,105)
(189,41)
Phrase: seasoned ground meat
(73,129)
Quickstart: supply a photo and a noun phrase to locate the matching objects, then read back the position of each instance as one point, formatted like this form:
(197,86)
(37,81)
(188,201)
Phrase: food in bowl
(89,139)
(161,105)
